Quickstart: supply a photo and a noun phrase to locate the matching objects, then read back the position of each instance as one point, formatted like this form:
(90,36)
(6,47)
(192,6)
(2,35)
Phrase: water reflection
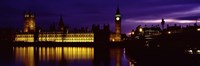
(66,53)
(69,56)
(116,55)
(25,55)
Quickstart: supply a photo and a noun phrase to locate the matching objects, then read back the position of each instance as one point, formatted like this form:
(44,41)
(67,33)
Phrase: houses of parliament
(32,34)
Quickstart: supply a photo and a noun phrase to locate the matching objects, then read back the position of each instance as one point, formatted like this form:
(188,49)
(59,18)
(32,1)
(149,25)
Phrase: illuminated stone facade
(117,36)
(24,37)
(112,37)
(29,22)
(56,37)
(30,33)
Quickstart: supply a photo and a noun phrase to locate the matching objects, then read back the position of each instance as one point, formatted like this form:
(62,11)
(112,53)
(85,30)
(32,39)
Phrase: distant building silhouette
(151,32)
(101,35)
(163,23)
(29,22)
(173,29)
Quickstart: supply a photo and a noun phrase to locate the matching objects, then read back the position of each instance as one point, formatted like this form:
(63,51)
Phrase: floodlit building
(24,37)
(55,37)
(29,22)
(33,34)
(30,33)
(116,37)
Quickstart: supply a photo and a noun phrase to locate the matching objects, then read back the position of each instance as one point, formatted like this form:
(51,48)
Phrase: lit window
(190,51)
(198,51)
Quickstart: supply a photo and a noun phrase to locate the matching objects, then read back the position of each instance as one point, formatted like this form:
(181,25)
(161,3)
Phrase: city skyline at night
(99,32)
(79,13)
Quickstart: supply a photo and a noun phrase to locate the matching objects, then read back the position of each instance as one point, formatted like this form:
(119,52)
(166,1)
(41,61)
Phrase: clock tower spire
(118,25)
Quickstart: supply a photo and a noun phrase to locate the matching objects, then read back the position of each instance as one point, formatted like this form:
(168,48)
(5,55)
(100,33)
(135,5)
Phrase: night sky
(84,13)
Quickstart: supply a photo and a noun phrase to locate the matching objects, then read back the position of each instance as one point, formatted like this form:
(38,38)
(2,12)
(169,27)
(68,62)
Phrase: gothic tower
(29,22)
(61,24)
(117,25)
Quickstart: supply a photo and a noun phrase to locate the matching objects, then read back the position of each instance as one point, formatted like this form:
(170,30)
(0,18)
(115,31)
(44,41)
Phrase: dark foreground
(62,56)
(162,57)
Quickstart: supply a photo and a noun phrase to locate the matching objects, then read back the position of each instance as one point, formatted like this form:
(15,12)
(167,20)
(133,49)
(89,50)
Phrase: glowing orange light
(82,37)
(25,55)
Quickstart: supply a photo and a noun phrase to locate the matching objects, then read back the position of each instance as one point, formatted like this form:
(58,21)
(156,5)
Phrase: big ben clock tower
(117,25)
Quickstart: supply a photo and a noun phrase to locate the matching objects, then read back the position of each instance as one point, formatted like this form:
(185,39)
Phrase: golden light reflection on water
(116,53)
(25,55)
(78,53)
(50,53)
(29,56)
(66,53)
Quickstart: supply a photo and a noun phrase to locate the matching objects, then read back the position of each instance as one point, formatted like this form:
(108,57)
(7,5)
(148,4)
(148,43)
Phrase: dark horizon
(80,13)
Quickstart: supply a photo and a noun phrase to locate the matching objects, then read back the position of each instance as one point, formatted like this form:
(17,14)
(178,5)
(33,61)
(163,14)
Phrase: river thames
(64,56)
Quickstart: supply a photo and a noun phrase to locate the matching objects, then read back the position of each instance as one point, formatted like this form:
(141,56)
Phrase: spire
(163,23)
(117,11)
(61,24)
(163,20)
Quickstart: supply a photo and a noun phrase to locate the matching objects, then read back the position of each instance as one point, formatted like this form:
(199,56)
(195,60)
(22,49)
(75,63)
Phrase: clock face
(117,18)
